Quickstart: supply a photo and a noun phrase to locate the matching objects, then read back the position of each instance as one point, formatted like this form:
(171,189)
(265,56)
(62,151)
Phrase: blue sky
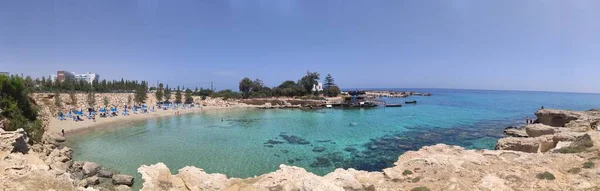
(510,44)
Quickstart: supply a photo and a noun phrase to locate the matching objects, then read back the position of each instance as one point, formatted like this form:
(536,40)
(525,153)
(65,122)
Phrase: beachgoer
(542,107)
(63,132)
(94,118)
(526,120)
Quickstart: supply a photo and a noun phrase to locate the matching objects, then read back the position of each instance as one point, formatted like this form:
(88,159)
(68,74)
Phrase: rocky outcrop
(438,167)
(121,179)
(557,118)
(14,141)
(536,130)
(529,145)
(515,132)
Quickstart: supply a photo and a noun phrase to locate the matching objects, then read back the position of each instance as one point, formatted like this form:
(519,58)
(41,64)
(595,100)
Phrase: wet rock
(318,149)
(536,130)
(105,173)
(270,146)
(291,161)
(320,162)
(121,179)
(90,168)
(349,149)
(292,139)
(284,151)
(274,142)
(92,181)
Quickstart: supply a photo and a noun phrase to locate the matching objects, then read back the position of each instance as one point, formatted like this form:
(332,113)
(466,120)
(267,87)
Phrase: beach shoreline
(73,128)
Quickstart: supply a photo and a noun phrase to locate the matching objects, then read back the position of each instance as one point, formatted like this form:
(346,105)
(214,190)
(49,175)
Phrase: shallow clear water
(366,139)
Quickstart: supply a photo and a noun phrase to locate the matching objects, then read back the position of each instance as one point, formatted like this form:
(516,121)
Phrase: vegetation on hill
(303,87)
(17,110)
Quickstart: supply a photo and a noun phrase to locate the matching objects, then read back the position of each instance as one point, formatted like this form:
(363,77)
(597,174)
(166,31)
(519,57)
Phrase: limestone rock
(105,173)
(90,168)
(121,179)
(546,143)
(14,141)
(92,180)
(122,188)
(529,145)
(515,132)
(556,118)
(536,130)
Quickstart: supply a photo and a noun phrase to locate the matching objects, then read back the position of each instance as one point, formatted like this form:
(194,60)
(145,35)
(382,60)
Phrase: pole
(211,87)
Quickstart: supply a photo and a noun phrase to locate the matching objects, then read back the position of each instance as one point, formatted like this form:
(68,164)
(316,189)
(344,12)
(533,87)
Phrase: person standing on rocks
(527,120)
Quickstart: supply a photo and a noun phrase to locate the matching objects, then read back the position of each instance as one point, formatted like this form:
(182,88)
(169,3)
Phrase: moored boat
(393,105)
(411,102)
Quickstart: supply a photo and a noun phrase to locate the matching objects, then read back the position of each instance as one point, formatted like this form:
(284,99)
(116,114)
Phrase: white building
(317,87)
(87,77)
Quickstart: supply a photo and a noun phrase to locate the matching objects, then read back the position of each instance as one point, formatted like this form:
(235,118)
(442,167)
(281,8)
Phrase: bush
(415,180)
(420,188)
(546,176)
(407,172)
(18,109)
(574,170)
(588,164)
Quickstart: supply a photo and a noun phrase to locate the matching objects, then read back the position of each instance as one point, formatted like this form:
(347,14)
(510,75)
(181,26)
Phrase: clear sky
(546,45)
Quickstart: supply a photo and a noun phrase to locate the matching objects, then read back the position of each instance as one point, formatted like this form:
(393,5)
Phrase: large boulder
(90,168)
(515,132)
(14,141)
(536,130)
(121,179)
(529,145)
(556,118)
(105,173)
(546,143)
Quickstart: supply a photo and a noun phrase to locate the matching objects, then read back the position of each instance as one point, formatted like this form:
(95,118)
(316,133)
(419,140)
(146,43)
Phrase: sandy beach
(71,127)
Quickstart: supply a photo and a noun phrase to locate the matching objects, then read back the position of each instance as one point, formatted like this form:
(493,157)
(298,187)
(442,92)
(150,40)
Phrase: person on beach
(63,132)
(527,120)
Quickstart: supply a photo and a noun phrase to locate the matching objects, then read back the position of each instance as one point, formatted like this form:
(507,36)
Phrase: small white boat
(328,106)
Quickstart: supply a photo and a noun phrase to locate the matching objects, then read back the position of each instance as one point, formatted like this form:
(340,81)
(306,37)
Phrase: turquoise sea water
(318,140)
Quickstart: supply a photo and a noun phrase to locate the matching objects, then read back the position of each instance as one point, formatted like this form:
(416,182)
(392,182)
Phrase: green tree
(105,100)
(289,89)
(188,96)
(140,95)
(178,95)
(73,97)
(309,81)
(159,93)
(91,98)
(331,90)
(57,101)
(246,86)
(17,108)
(167,94)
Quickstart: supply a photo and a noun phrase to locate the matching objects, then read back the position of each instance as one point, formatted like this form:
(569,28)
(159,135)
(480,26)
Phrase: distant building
(5,73)
(87,77)
(317,87)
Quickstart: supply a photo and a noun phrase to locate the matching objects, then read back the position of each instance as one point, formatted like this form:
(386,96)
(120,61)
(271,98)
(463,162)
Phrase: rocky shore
(50,166)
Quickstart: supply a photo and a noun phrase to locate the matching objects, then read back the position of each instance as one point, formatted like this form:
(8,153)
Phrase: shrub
(18,109)
(420,188)
(407,172)
(588,164)
(546,176)
(574,170)
(415,180)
